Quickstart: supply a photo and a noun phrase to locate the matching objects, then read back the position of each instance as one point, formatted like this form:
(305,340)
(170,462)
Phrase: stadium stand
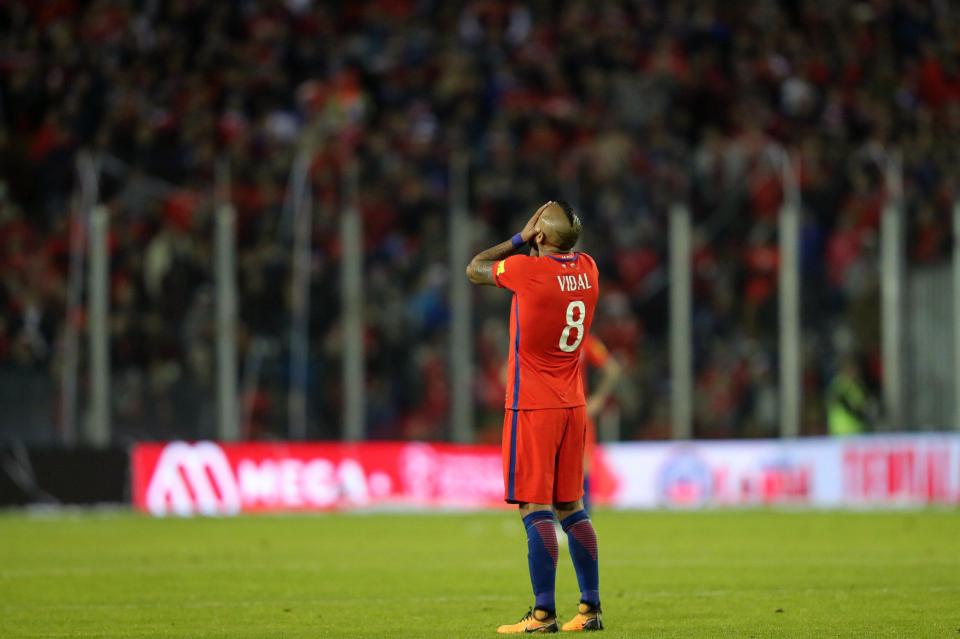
(546,98)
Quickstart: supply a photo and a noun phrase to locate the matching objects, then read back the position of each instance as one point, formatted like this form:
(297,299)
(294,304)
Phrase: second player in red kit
(555,291)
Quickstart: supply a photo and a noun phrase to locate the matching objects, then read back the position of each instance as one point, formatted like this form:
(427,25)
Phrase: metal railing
(89,252)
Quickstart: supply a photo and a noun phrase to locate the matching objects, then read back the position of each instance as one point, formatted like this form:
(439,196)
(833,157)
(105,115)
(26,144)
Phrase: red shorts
(543,455)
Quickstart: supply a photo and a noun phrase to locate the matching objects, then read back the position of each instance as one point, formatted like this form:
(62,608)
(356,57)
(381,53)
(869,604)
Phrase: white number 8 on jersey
(573,324)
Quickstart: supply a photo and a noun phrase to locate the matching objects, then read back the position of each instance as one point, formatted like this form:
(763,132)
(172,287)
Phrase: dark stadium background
(625,108)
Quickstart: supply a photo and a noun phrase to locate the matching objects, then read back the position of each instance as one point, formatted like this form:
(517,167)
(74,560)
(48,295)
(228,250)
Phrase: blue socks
(582,539)
(542,557)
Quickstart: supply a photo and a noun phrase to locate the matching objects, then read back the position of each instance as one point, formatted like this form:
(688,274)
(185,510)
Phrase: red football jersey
(553,303)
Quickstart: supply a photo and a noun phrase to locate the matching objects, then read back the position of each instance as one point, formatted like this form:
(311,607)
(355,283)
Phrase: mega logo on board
(192,478)
(208,478)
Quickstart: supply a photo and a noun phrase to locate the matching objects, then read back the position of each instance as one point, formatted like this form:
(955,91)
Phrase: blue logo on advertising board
(685,481)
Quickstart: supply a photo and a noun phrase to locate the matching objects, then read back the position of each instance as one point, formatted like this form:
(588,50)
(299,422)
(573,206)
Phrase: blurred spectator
(847,401)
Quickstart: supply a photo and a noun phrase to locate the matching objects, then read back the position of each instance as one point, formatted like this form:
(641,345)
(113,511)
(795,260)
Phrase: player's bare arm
(609,376)
(480,269)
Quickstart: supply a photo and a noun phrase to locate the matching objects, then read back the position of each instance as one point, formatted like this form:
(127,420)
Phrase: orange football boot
(535,620)
(588,618)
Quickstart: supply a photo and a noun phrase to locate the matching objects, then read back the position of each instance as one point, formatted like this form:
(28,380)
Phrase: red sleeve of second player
(596,353)
(513,272)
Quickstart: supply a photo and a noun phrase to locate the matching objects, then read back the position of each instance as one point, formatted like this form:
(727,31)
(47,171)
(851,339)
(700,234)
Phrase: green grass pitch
(714,574)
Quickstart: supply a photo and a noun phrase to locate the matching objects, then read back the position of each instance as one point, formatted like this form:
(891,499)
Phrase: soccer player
(595,355)
(554,294)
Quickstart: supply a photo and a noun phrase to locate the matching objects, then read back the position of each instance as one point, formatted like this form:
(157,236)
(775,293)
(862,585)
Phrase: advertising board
(209,478)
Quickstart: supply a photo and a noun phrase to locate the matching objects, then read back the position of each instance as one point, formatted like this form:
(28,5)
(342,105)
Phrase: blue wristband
(517,241)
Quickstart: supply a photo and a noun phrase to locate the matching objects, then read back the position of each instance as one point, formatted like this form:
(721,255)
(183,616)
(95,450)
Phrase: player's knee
(528,507)
(569,505)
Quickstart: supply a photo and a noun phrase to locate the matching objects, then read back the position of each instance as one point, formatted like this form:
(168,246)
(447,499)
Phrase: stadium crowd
(620,107)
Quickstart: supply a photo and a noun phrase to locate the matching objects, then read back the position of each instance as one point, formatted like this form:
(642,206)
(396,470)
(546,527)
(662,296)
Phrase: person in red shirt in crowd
(555,293)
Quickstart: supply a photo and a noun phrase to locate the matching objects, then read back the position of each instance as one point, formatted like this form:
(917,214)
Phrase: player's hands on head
(530,230)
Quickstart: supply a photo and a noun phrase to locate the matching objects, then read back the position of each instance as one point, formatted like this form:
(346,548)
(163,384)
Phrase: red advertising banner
(208,478)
